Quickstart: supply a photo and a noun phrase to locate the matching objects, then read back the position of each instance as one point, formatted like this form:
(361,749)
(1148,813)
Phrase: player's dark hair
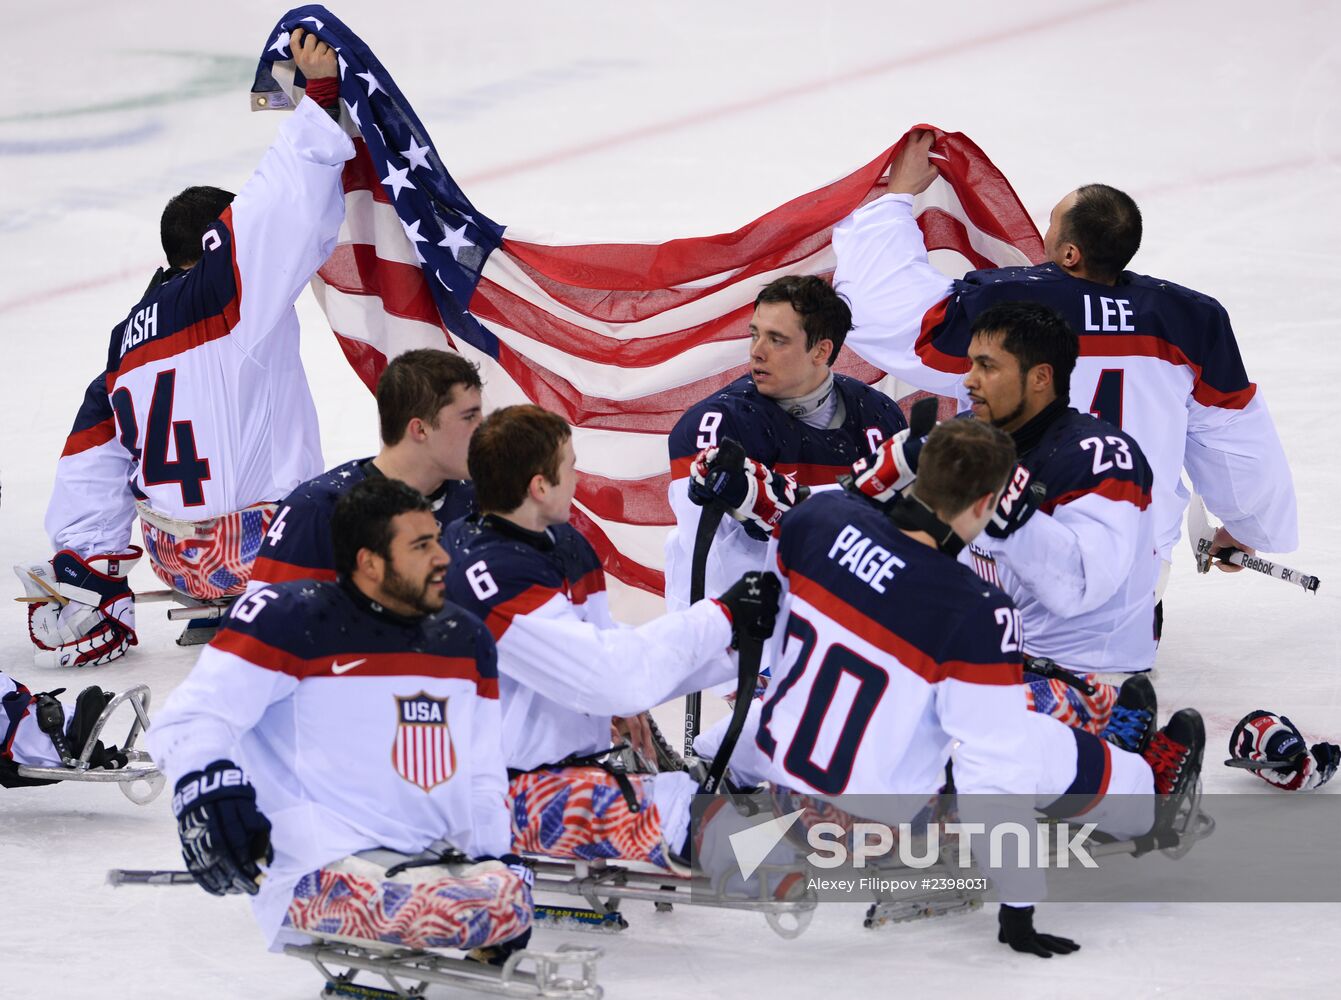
(512,446)
(1106,225)
(185,219)
(419,384)
(1035,335)
(962,461)
(363,515)
(825,315)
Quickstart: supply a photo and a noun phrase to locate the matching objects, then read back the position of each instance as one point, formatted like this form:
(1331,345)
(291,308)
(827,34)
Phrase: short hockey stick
(730,456)
(1202,534)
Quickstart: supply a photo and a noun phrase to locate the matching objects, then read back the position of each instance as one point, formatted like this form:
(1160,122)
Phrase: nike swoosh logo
(340,668)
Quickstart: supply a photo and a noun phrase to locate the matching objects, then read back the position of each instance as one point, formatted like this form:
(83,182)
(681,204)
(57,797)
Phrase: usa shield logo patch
(423,753)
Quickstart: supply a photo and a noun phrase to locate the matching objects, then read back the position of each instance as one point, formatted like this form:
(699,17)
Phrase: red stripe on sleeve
(931,355)
(585,586)
(90,437)
(1112,489)
(501,615)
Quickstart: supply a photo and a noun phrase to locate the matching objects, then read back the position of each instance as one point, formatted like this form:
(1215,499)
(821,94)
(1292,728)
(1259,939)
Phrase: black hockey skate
(1175,753)
(1131,725)
(88,710)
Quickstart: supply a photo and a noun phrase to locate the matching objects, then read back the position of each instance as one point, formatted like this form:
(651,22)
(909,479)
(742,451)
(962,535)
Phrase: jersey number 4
(1107,401)
(188,469)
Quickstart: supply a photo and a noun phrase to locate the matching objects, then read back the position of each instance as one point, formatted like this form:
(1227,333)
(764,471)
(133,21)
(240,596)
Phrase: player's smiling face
(995,384)
(413,577)
(780,364)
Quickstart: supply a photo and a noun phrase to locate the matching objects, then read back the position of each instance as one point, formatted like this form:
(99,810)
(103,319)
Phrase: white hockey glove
(892,467)
(81,611)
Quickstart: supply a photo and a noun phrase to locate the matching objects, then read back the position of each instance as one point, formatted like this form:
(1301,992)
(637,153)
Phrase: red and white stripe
(620,339)
(423,754)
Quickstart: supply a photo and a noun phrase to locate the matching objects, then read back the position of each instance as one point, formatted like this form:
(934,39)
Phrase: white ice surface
(634,121)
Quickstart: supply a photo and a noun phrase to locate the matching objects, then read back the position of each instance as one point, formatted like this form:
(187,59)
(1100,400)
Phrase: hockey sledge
(140,780)
(569,972)
(604,886)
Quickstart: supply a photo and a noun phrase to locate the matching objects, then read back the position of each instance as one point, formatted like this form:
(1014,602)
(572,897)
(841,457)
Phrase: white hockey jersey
(358,729)
(566,665)
(203,406)
(1156,360)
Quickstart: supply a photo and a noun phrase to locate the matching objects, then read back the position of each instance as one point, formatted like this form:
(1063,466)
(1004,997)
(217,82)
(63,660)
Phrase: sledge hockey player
(428,406)
(1278,753)
(895,653)
(566,666)
(1073,541)
(34,731)
(202,417)
(330,719)
(800,425)
(1157,360)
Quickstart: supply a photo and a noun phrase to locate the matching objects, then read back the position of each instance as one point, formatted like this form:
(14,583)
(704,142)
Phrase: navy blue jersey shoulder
(315,620)
(1137,316)
(199,295)
(771,435)
(490,568)
(95,408)
(1079,452)
(849,548)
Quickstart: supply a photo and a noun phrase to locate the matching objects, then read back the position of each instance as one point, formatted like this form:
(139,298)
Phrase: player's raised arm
(883,271)
(283,223)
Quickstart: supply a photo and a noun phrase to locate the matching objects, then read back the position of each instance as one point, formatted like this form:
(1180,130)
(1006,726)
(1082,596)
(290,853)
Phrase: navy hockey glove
(753,494)
(224,836)
(892,467)
(1017,505)
(1275,743)
(1015,927)
(81,612)
(753,604)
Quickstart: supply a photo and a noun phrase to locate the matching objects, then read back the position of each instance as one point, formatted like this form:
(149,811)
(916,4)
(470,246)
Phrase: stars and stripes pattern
(618,338)
(216,559)
(423,753)
(580,813)
(438,907)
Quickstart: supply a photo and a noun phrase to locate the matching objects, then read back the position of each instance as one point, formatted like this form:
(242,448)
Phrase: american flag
(618,338)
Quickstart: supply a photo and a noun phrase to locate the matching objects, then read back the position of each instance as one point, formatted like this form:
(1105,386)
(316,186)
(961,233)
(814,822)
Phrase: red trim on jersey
(806,473)
(267,570)
(1147,346)
(1118,490)
(196,334)
(910,656)
(90,437)
(403,664)
(232,310)
(501,615)
(585,586)
(931,355)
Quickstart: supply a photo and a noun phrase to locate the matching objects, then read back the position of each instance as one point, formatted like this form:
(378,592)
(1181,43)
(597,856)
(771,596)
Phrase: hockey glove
(224,836)
(1017,504)
(754,494)
(84,610)
(1271,739)
(892,467)
(752,603)
(1016,928)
